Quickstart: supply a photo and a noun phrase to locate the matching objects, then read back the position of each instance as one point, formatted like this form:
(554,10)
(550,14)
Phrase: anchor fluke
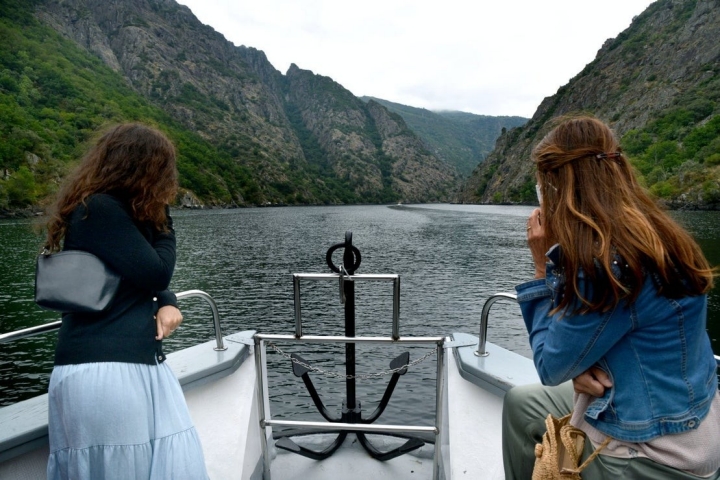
(298,369)
(409,446)
(286,444)
(399,361)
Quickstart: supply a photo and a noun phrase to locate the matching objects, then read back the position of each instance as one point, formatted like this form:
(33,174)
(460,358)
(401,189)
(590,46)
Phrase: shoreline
(35,211)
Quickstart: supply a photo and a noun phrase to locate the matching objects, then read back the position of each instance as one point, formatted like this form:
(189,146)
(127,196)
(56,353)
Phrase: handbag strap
(567,433)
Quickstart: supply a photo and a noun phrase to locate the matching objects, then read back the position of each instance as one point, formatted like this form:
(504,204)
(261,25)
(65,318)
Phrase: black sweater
(145,259)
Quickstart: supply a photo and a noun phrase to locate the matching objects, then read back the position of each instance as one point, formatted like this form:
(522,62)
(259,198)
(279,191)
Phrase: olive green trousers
(523,424)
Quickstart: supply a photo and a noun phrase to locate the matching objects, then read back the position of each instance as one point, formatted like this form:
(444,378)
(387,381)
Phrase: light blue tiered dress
(120,421)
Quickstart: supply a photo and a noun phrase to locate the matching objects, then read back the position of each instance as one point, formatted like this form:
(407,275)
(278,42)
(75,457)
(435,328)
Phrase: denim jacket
(656,351)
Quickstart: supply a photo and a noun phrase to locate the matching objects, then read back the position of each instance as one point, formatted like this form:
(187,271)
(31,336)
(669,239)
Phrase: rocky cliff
(657,85)
(302,137)
(363,144)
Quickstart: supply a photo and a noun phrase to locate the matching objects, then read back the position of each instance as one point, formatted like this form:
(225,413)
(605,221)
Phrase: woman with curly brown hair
(116,410)
(618,305)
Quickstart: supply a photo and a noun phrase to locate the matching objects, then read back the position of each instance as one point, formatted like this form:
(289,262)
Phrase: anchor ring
(331,250)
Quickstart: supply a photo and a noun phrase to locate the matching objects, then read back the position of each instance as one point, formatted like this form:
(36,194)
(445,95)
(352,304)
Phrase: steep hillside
(53,97)
(459,139)
(246,134)
(363,144)
(657,84)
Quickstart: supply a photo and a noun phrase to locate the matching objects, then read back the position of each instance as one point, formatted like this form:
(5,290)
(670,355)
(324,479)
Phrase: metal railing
(219,346)
(52,326)
(261,370)
(29,332)
(482,338)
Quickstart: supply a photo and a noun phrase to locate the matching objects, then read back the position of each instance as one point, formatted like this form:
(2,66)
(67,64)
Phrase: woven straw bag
(558,456)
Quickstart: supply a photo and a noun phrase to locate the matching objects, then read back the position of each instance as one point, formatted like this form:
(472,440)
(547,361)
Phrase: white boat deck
(220,388)
(352,462)
(473,417)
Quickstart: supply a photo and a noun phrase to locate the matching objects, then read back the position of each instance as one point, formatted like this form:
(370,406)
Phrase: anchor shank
(349,264)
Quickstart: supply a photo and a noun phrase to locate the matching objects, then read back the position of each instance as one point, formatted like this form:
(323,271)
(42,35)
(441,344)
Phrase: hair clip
(600,156)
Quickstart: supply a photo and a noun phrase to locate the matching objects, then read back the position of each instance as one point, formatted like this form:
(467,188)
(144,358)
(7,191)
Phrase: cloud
(492,58)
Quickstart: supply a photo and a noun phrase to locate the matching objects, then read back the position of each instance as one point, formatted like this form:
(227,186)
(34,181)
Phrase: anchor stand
(351,411)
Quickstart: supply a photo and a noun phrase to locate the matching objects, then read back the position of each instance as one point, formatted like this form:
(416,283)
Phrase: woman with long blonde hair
(116,410)
(618,305)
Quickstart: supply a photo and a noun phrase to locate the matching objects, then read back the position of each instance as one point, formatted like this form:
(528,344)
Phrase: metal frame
(260,350)
(52,326)
(344,277)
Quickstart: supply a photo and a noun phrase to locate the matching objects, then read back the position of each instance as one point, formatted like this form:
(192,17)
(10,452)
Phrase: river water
(450,259)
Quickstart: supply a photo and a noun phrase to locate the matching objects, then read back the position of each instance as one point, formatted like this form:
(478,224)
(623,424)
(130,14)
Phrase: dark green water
(450,259)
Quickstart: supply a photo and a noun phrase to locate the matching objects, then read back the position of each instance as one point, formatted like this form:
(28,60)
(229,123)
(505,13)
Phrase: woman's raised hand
(536,242)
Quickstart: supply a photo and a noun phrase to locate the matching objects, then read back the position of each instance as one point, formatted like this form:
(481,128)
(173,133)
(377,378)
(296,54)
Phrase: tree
(21,188)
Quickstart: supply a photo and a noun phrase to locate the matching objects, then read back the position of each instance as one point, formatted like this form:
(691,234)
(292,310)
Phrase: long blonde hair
(131,160)
(595,209)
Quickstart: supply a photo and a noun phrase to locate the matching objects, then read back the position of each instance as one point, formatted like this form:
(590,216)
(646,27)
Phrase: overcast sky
(499,57)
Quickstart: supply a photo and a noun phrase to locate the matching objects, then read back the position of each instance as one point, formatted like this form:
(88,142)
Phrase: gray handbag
(74,281)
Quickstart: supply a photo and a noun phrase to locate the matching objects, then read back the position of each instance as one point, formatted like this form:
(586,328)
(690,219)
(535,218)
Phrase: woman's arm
(566,346)
(106,229)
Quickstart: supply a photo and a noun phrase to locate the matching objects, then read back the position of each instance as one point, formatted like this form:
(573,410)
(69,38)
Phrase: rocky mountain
(657,84)
(246,133)
(460,139)
(364,144)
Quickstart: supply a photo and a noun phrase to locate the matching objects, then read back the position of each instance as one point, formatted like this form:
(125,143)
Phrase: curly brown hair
(131,160)
(595,209)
